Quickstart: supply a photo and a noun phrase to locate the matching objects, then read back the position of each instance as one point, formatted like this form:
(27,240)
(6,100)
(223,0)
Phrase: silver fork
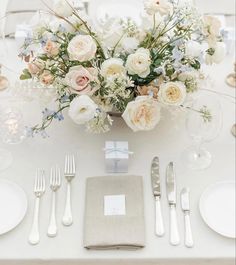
(69,175)
(39,189)
(55,183)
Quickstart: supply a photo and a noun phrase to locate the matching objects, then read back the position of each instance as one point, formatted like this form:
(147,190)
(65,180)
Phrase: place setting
(111,100)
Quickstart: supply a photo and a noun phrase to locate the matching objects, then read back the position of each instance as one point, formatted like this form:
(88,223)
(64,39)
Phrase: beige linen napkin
(114,231)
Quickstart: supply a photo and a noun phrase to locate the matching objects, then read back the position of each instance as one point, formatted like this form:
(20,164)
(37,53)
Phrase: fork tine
(73,164)
(51,176)
(43,180)
(58,176)
(66,164)
(36,180)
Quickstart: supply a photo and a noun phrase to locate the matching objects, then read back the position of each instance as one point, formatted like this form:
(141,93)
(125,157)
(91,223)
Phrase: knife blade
(184,196)
(155,175)
(171,184)
(156,188)
(171,196)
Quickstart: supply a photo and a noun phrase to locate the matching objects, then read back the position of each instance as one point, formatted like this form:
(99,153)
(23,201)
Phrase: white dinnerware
(69,174)
(217,208)
(13,205)
(39,189)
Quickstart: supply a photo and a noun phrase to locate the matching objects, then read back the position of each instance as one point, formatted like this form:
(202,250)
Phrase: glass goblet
(203,124)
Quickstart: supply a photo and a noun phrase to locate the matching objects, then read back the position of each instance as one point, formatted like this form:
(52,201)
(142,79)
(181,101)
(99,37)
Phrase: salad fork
(55,183)
(69,174)
(39,189)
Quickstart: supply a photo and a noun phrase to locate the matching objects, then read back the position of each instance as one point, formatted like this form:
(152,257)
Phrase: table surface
(167,141)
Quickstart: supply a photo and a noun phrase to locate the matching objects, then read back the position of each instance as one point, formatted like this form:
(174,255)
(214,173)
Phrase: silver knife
(156,187)
(186,209)
(171,196)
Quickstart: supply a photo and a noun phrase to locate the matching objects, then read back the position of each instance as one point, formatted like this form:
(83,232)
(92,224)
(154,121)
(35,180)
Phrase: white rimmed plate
(13,205)
(217,208)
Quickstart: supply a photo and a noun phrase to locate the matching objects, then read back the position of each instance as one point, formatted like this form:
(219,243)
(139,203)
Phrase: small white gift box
(116,156)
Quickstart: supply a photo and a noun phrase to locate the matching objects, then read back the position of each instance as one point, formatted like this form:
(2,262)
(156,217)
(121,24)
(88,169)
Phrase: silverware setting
(69,174)
(172,201)
(39,189)
(156,187)
(186,210)
(54,184)
(171,196)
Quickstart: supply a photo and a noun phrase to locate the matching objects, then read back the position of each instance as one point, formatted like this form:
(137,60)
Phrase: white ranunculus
(63,8)
(129,44)
(82,48)
(142,114)
(112,67)
(139,63)
(157,6)
(172,93)
(193,49)
(219,54)
(82,109)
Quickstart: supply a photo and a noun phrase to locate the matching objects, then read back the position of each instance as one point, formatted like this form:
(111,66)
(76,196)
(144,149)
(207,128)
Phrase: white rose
(129,44)
(82,48)
(193,49)
(63,8)
(158,6)
(172,93)
(139,63)
(112,66)
(82,109)
(143,114)
(218,55)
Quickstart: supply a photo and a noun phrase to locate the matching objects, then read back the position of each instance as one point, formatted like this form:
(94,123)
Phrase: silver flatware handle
(67,219)
(174,231)
(159,219)
(34,233)
(52,228)
(188,231)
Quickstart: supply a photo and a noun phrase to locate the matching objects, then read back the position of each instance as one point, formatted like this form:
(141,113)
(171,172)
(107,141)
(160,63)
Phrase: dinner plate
(13,205)
(217,208)
(99,10)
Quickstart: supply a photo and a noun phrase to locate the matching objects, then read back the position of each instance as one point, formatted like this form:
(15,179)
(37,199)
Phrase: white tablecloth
(167,141)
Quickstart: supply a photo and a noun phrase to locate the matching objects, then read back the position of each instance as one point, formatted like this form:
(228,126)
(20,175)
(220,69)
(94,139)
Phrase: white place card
(114,205)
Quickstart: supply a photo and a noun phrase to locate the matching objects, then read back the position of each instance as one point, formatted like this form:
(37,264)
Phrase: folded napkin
(114,231)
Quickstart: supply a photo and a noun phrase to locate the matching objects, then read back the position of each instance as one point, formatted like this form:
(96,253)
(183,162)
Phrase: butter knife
(171,196)
(186,209)
(156,187)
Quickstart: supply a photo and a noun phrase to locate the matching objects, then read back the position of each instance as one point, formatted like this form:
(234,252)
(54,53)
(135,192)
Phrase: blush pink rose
(79,79)
(47,78)
(35,67)
(51,48)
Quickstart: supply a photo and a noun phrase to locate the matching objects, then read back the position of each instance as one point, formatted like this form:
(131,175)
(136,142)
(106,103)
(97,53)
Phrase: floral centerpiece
(121,65)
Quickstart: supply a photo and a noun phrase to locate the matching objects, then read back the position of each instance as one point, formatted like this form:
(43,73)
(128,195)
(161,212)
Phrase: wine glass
(203,124)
